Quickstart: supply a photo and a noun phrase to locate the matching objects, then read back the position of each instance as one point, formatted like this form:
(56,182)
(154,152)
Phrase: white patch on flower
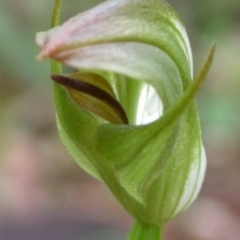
(150,106)
(193,182)
(201,176)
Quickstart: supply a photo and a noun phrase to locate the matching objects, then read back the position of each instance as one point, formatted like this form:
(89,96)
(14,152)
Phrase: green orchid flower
(128,115)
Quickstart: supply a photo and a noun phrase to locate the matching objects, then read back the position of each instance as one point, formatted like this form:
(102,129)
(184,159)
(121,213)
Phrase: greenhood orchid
(128,115)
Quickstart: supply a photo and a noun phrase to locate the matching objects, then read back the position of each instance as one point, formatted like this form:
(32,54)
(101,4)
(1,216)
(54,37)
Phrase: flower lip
(94,92)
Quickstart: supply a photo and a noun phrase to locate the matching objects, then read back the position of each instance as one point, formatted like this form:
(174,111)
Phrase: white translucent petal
(150,106)
(42,38)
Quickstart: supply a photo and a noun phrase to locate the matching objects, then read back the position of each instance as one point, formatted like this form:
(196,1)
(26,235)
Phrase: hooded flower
(128,116)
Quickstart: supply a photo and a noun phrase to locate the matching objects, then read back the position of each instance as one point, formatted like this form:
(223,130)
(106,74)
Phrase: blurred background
(45,195)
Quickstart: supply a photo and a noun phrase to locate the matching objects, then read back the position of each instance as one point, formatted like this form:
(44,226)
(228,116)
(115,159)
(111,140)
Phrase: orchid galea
(128,114)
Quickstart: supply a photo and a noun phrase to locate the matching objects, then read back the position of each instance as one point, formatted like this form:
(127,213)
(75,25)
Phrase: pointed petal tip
(42,55)
(212,48)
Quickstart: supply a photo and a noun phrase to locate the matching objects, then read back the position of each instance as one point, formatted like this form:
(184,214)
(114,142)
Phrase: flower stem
(142,231)
(56,66)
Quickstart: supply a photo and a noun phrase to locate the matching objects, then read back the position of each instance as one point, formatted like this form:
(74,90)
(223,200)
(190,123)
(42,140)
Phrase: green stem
(142,231)
(56,66)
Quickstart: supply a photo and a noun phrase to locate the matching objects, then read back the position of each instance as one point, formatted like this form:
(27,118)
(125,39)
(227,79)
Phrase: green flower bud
(129,116)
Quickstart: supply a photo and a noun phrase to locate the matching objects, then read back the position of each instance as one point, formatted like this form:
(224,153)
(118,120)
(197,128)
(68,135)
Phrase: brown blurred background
(45,195)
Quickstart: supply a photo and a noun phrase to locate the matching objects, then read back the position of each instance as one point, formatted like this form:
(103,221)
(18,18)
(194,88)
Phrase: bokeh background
(45,195)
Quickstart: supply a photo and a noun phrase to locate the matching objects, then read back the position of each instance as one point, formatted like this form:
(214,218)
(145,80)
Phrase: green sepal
(132,159)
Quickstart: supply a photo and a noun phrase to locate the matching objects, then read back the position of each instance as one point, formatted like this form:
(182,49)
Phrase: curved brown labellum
(93,93)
